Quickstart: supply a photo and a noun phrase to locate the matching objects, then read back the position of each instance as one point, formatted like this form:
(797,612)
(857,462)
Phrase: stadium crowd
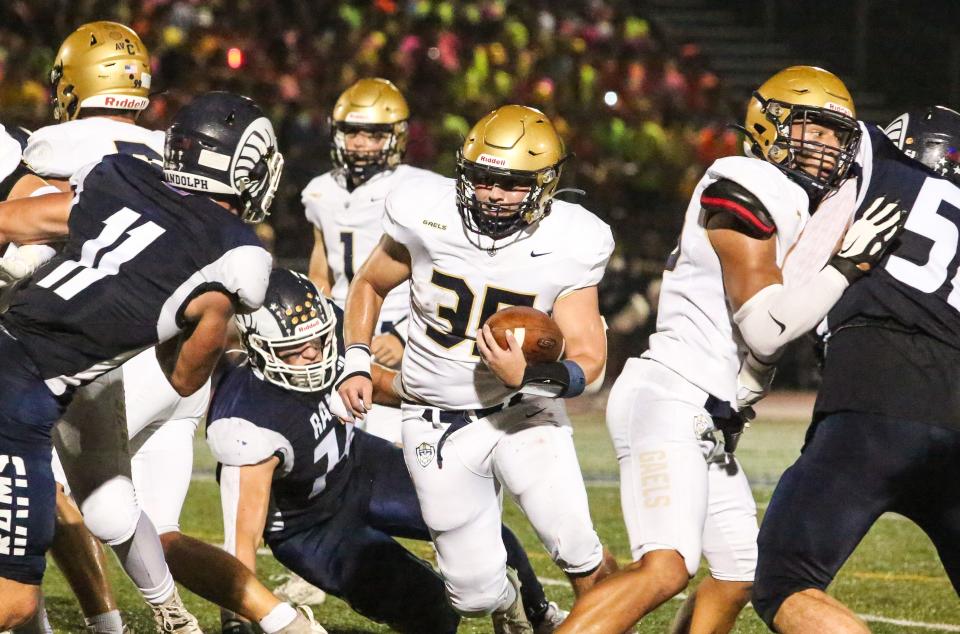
(455,62)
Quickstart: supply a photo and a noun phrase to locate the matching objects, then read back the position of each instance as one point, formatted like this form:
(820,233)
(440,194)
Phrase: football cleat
(552,619)
(298,591)
(172,617)
(512,619)
(236,626)
(303,624)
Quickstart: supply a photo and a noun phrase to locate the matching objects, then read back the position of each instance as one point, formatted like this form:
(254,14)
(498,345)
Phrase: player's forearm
(35,219)
(777,315)
(383,390)
(361,313)
(198,356)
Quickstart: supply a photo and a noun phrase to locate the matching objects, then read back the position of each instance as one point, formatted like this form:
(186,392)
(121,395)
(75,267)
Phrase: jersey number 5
(935,216)
(458,315)
(88,270)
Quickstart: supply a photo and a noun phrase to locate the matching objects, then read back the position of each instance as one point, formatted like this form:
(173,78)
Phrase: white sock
(142,558)
(106,623)
(279,617)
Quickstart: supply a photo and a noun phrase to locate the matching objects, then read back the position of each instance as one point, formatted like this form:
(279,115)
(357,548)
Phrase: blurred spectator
(642,120)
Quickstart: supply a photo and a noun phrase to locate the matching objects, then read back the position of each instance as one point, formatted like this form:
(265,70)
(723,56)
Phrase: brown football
(534,330)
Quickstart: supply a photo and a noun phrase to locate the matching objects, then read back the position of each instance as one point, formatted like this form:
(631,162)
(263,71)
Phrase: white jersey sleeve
(787,205)
(238,442)
(244,272)
(59,151)
(696,336)
(10,153)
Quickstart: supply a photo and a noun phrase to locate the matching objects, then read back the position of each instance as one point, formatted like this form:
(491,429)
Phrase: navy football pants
(353,554)
(28,411)
(854,468)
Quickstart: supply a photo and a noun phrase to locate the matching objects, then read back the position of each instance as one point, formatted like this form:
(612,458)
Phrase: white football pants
(527,449)
(678,489)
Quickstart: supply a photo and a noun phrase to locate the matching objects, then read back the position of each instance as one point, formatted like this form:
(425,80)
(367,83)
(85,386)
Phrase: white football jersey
(456,286)
(60,150)
(9,153)
(696,336)
(352,223)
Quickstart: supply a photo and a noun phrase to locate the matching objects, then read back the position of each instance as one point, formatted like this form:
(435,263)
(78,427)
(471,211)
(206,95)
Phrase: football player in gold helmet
(100,83)
(507,173)
(729,303)
(346,206)
(369,125)
(475,415)
(101,65)
(803,121)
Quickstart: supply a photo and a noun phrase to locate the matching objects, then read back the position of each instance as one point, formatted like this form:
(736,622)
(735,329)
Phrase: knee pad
(112,511)
(576,547)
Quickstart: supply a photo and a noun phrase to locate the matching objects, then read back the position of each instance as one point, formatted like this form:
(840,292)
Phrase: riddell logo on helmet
(838,108)
(308,326)
(126,102)
(486,159)
(359,117)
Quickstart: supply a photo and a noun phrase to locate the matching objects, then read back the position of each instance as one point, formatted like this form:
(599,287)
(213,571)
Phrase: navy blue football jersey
(251,419)
(138,251)
(894,342)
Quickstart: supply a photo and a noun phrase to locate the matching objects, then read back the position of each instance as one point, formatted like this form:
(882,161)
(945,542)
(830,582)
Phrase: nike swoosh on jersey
(534,254)
(532,414)
(782,325)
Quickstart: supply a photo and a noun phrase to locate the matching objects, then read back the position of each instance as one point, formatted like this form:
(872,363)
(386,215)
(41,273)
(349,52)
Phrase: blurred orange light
(234,58)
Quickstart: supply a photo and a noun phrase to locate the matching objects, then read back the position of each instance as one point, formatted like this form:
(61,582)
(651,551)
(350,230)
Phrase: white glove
(868,239)
(754,381)
(23,262)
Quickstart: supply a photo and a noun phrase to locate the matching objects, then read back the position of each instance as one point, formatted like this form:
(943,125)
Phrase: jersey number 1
(91,270)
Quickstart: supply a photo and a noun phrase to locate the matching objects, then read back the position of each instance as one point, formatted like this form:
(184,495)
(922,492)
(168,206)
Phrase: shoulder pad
(729,197)
(238,442)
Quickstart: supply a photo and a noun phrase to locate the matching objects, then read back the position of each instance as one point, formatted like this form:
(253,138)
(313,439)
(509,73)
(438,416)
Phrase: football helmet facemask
(294,313)
(222,144)
(100,65)
(513,147)
(804,95)
(376,107)
(931,136)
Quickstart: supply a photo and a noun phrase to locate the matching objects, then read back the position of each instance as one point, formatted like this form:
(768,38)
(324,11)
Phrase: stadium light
(235,58)
(610,98)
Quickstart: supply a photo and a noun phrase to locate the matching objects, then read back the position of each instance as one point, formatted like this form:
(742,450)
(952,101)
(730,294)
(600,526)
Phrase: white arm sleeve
(777,315)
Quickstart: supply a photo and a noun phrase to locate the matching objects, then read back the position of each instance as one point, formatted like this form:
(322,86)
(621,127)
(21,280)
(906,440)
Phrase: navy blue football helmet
(222,144)
(931,136)
(294,312)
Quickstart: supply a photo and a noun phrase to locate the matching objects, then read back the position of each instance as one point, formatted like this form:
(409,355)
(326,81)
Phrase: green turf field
(894,577)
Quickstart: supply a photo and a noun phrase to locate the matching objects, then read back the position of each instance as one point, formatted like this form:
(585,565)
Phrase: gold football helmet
(513,147)
(100,65)
(377,107)
(777,116)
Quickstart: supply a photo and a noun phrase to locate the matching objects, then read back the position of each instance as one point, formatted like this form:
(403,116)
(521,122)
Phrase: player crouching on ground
(475,416)
(328,498)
